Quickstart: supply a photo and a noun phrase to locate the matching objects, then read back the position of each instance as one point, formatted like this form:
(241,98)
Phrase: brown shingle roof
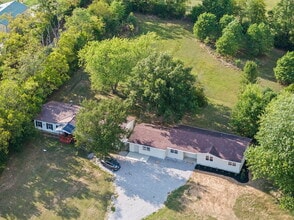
(191,139)
(58,112)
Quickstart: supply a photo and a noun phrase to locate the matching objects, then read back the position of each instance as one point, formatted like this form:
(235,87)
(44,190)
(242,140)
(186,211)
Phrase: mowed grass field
(220,79)
(49,180)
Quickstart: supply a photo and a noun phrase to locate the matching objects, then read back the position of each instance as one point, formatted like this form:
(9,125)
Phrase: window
(146,148)
(211,158)
(49,126)
(174,151)
(207,158)
(232,163)
(39,124)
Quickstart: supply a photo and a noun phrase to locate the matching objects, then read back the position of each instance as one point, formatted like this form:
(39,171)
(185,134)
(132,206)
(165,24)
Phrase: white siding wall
(217,163)
(172,154)
(190,155)
(154,152)
(44,126)
(134,147)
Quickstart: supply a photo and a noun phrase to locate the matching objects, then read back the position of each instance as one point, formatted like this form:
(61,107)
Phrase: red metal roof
(191,139)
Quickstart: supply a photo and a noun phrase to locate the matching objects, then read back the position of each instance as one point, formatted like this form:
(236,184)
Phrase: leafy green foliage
(110,62)
(246,113)
(206,27)
(283,25)
(98,127)
(273,157)
(260,39)
(250,72)
(255,11)
(54,74)
(284,71)
(85,24)
(163,9)
(164,86)
(225,21)
(231,40)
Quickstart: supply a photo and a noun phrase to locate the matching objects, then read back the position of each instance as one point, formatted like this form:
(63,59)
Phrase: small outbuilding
(203,147)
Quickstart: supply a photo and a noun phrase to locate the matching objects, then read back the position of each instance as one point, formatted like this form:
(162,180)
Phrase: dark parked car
(110,163)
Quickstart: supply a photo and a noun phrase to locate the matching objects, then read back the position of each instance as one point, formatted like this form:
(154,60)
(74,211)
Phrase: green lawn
(75,90)
(220,79)
(53,184)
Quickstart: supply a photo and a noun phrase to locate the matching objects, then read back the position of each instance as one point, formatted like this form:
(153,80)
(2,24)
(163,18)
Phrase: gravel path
(143,187)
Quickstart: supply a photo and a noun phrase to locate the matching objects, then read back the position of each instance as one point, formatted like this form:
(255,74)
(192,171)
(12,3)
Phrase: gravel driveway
(142,187)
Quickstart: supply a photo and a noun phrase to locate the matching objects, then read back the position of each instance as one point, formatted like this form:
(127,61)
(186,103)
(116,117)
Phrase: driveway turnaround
(143,187)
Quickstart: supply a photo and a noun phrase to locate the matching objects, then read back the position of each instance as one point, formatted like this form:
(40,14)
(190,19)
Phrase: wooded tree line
(39,54)
(244,26)
(268,118)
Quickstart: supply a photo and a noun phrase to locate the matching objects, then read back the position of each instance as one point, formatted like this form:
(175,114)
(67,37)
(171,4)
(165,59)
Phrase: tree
(248,109)
(231,40)
(255,11)
(206,27)
(284,70)
(164,86)
(98,127)
(218,7)
(282,22)
(250,72)
(225,21)
(54,74)
(110,62)
(273,157)
(85,24)
(260,39)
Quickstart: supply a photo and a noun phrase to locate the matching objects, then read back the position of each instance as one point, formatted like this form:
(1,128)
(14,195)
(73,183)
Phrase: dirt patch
(224,198)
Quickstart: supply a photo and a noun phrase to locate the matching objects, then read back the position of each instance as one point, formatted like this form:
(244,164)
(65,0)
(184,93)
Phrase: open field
(53,184)
(209,196)
(220,79)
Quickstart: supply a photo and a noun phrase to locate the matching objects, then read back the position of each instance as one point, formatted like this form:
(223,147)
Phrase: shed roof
(191,139)
(12,8)
(58,112)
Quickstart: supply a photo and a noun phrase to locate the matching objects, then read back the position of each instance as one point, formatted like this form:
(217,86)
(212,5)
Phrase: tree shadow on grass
(50,179)
(212,117)
(165,29)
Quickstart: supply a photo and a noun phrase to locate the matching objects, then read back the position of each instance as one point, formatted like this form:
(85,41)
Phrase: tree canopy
(260,39)
(110,62)
(164,86)
(250,72)
(206,27)
(230,41)
(98,126)
(248,109)
(273,157)
(284,70)
(282,22)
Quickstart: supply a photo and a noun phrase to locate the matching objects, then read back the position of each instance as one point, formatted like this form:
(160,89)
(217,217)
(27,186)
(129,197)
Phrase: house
(203,147)
(13,9)
(57,117)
